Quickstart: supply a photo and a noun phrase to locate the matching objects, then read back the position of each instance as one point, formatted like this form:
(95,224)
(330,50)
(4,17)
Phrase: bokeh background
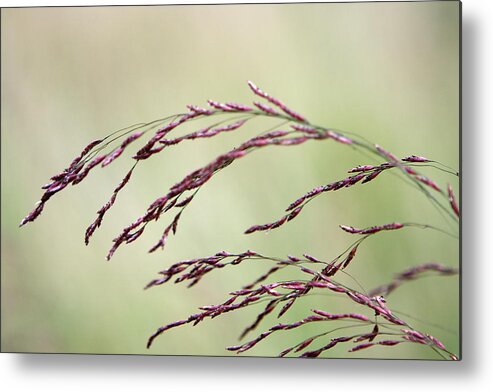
(388,71)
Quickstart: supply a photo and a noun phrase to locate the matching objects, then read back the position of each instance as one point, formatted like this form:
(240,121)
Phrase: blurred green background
(387,71)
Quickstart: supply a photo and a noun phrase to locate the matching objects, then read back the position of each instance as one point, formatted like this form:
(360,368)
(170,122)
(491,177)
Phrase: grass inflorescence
(380,325)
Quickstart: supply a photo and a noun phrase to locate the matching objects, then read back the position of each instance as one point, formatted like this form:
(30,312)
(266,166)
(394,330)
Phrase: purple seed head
(429,182)
(362,168)
(391,157)
(452,200)
(414,158)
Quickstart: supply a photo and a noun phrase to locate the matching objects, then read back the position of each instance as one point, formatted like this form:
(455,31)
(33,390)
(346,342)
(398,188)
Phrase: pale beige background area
(70,75)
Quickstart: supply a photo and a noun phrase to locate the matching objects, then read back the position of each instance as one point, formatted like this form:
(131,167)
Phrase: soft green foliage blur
(389,72)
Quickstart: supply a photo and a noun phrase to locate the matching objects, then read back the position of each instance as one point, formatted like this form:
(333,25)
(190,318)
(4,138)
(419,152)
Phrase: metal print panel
(250,180)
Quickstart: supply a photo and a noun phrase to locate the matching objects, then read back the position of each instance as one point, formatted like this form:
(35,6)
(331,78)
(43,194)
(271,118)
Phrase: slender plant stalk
(380,325)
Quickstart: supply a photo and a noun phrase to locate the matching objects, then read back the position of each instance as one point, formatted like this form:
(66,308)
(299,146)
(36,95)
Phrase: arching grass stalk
(291,129)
